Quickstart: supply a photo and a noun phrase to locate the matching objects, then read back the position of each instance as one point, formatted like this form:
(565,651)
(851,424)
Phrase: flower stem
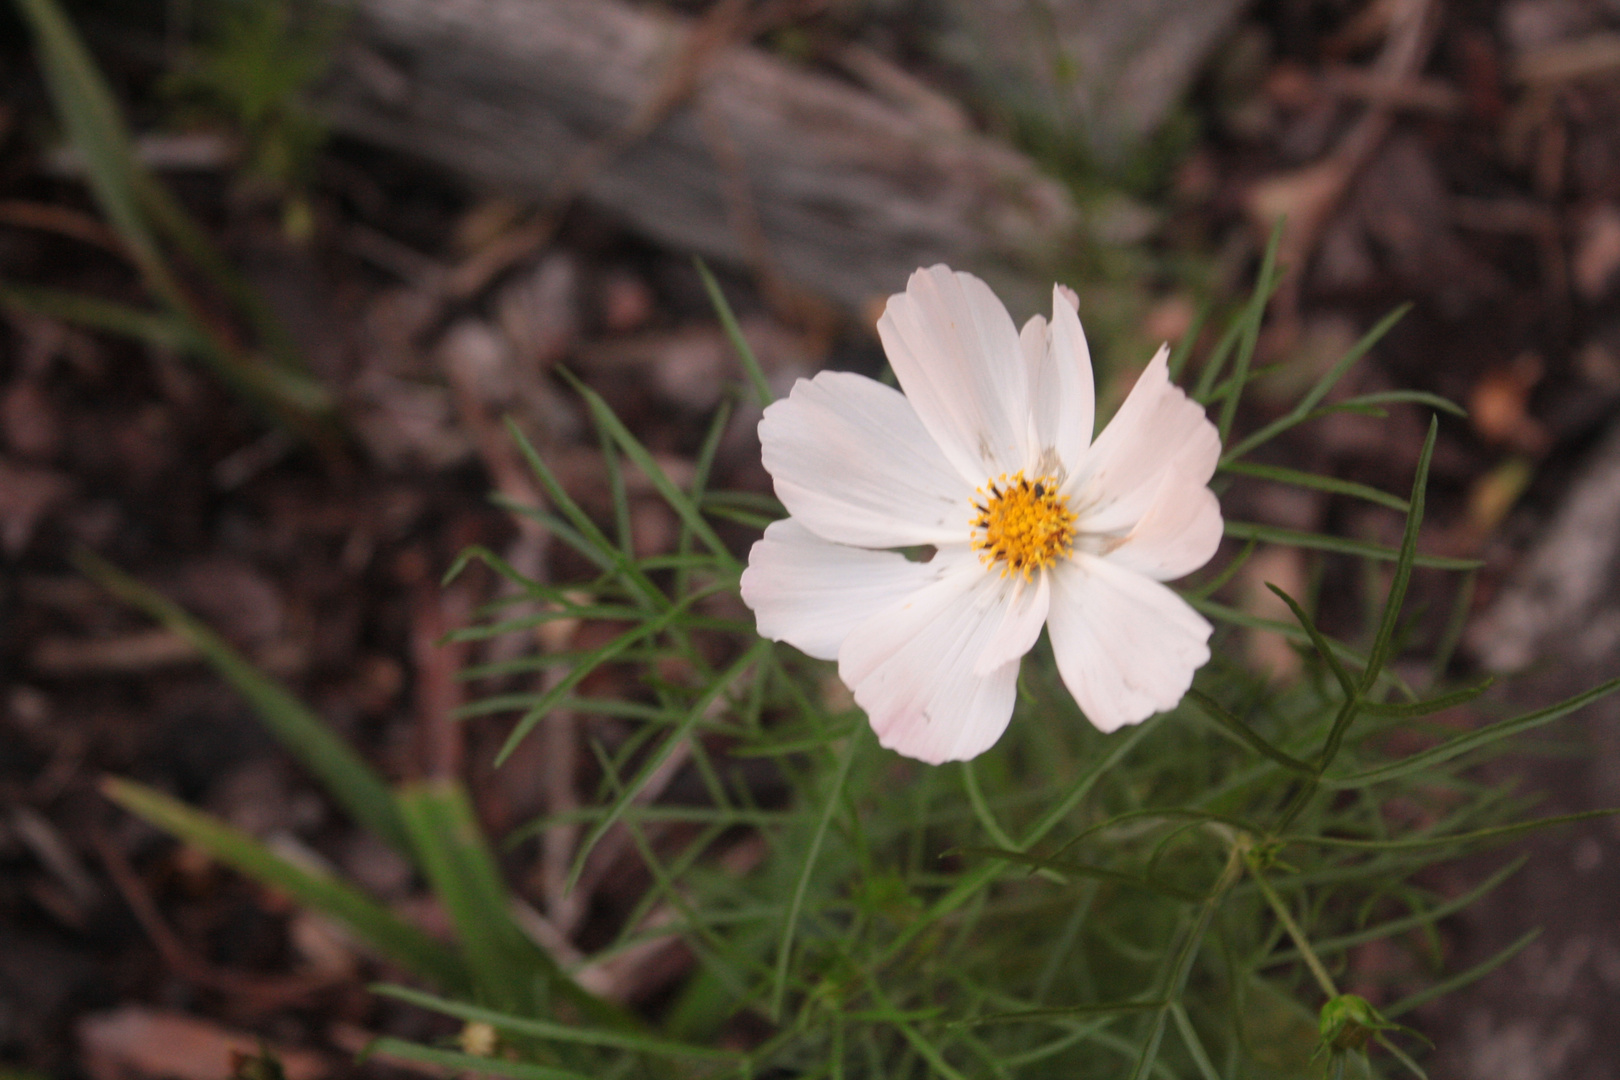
(1323,979)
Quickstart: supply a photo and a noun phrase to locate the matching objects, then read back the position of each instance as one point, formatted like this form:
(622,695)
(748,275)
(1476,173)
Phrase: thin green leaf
(1318,642)
(372,923)
(1384,642)
(1245,530)
(1214,585)
(924,1048)
(682,731)
(1474,740)
(1179,970)
(750,362)
(581,669)
(125,192)
(1217,712)
(461,869)
(457,1062)
(1419,920)
(591,537)
(1189,340)
(1302,411)
(94,123)
(1194,1045)
(678,500)
(1317,482)
(1060,1012)
(1085,870)
(1461,979)
(1251,332)
(347,778)
(1216,363)
(1497,832)
(1412,709)
(552,1030)
(156,329)
(790,923)
(1405,397)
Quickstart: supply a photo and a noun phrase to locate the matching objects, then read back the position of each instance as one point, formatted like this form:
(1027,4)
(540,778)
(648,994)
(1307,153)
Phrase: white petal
(1126,646)
(911,667)
(1158,427)
(1024,613)
(1064,396)
(811,593)
(1178,534)
(957,355)
(853,464)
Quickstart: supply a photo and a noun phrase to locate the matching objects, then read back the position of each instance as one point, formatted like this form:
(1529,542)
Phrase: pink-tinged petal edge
(1157,428)
(1180,531)
(1126,646)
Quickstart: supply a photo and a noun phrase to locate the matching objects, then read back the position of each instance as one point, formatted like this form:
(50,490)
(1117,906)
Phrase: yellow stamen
(1022,524)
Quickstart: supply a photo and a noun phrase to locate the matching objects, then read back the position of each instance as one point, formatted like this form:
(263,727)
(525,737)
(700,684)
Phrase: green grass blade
(582,668)
(1288,630)
(1317,482)
(1307,404)
(1189,340)
(745,353)
(1060,1012)
(372,923)
(1216,363)
(509,970)
(1384,643)
(558,1032)
(678,500)
(350,782)
(1474,740)
(454,1062)
(682,731)
(1477,836)
(1462,978)
(790,923)
(1413,709)
(1267,534)
(1400,397)
(450,849)
(1318,642)
(593,537)
(1084,870)
(122,188)
(1252,318)
(1419,920)
(1245,734)
(94,124)
(156,329)
(1194,1045)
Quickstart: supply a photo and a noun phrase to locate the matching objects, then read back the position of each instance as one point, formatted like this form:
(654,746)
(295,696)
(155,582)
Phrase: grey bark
(850,191)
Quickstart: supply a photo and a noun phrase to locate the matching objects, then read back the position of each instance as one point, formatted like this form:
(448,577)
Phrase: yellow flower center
(1023,524)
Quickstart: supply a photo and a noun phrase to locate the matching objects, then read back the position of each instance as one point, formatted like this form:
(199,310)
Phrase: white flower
(988,458)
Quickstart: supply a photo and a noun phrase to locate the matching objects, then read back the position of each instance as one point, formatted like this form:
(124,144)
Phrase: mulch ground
(1492,202)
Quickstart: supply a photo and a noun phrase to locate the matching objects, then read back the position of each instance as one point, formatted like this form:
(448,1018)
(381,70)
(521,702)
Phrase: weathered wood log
(840,189)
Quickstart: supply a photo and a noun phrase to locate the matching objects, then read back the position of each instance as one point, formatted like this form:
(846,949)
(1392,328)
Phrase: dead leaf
(1597,252)
(1499,407)
(27,495)
(134,1041)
